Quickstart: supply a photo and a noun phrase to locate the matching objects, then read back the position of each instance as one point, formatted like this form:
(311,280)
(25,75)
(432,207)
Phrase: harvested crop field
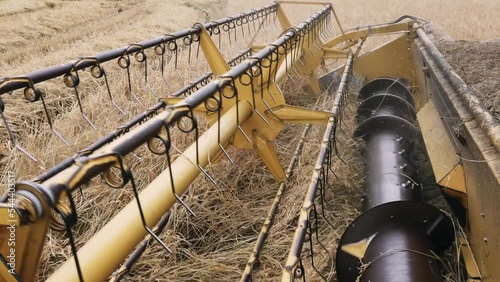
(478,64)
(215,243)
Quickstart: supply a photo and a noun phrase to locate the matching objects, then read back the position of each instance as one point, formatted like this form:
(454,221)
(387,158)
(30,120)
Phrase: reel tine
(72,242)
(105,75)
(127,174)
(32,95)
(72,80)
(218,109)
(311,247)
(124,63)
(11,134)
(167,144)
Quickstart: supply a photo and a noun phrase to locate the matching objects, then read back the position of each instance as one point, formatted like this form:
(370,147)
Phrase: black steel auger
(398,236)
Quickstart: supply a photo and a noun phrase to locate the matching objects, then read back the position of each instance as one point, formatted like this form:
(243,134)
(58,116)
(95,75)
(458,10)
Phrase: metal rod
(140,118)
(300,233)
(253,261)
(134,257)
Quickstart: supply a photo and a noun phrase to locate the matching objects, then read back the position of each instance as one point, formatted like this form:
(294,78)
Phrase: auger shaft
(397,235)
(114,242)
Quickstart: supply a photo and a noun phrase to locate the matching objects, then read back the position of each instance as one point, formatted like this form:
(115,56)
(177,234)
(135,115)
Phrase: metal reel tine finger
(167,143)
(49,120)
(73,80)
(71,242)
(136,156)
(291,78)
(261,116)
(316,215)
(219,106)
(207,175)
(108,88)
(150,90)
(127,173)
(179,199)
(11,134)
(157,239)
(311,250)
(24,151)
(226,153)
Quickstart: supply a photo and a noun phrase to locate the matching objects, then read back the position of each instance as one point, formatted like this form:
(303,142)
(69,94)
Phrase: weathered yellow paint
(5,275)
(30,240)
(109,245)
(294,114)
(455,181)
(268,154)
(469,261)
(283,19)
(7,216)
(367,31)
(448,171)
(358,249)
(393,59)
(332,53)
(214,57)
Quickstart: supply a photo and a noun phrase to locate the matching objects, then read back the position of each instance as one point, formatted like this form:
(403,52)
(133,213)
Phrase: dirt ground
(478,63)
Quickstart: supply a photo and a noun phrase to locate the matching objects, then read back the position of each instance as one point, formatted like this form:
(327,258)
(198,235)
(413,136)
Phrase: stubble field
(39,34)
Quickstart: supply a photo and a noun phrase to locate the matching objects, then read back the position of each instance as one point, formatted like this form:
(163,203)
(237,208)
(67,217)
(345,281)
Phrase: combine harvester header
(420,123)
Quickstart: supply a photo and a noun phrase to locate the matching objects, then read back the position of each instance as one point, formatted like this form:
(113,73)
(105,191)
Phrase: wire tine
(49,120)
(81,108)
(316,224)
(136,156)
(179,75)
(206,174)
(291,78)
(312,254)
(151,91)
(267,106)
(270,94)
(128,174)
(184,205)
(261,116)
(167,143)
(71,242)
(225,153)
(88,120)
(59,136)
(110,95)
(24,151)
(12,137)
(244,134)
(131,92)
(165,64)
